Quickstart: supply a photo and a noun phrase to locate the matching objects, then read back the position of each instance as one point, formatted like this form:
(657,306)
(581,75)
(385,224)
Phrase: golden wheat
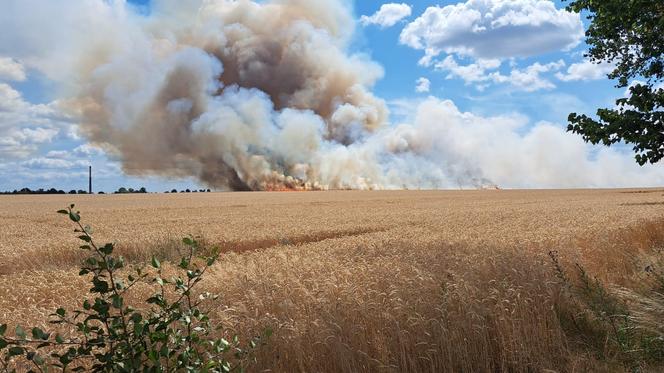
(354,281)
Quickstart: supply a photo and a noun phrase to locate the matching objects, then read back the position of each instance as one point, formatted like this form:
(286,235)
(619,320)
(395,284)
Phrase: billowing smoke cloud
(240,94)
(263,95)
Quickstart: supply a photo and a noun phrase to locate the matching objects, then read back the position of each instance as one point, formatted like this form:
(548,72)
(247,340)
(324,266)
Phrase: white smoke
(263,95)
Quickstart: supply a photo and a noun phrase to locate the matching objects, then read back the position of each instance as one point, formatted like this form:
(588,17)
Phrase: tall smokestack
(90,180)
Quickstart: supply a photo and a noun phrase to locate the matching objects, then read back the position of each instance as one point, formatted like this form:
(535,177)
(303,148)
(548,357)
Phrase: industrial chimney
(90,180)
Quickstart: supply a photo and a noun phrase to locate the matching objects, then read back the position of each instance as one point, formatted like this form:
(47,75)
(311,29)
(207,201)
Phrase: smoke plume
(243,95)
(249,95)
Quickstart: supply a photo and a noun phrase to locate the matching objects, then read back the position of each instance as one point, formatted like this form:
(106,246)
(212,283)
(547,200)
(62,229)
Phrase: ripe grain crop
(350,281)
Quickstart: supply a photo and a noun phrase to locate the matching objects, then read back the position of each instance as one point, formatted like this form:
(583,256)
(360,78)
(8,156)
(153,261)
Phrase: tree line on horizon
(122,190)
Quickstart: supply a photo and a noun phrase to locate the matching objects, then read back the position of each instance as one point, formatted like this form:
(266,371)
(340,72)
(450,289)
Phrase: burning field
(360,281)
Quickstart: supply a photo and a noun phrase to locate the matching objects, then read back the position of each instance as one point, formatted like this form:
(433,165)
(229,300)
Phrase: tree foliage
(630,35)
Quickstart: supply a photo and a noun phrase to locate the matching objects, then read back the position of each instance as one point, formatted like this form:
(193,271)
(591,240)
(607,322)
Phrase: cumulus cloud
(484,72)
(54,163)
(87,150)
(388,15)
(530,79)
(25,126)
(488,32)
(11,70)
(423,85)
(586,70)
(471,73)
(492,29)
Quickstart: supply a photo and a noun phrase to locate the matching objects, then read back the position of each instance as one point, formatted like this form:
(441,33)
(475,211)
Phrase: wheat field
(353,281)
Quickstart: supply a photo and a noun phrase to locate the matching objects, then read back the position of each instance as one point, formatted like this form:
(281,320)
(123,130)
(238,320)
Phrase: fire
(282,183)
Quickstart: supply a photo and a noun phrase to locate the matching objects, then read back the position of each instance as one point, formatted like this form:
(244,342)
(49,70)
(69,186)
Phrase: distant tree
(174,190)
(122,190)
(142,190)
(188,191)
(209,191)
(630,35)
(101,192)
(72,191)
(80,191)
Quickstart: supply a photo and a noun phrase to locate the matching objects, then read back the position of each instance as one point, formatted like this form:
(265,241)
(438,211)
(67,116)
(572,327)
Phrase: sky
(492,80)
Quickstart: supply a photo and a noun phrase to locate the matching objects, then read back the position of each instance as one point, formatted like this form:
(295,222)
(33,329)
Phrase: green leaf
(188,241)
(3,329)
(136,317)
(3,343)
(59,339)
(75,217)
(117,301)
(107,249)
(15,351)
(60,311)
(155,262)
(64,212)
(38,333)
(85,238)
(20,332)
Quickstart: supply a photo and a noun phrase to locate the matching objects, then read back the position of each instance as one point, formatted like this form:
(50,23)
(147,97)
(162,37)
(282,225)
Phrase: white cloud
(491,29)
(484,72)
(62,154)
(11,70)
(10,100)
(24,142)
(388,15)
(586,70)
(423,85)
(472,73)
(37,135)
(529,79)
(87,150)
(24,127)
(53,163)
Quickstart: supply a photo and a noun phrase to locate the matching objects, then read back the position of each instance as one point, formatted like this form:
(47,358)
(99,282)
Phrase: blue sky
(537,74)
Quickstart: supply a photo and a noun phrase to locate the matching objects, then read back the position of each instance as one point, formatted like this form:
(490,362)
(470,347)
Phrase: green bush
(170,332)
